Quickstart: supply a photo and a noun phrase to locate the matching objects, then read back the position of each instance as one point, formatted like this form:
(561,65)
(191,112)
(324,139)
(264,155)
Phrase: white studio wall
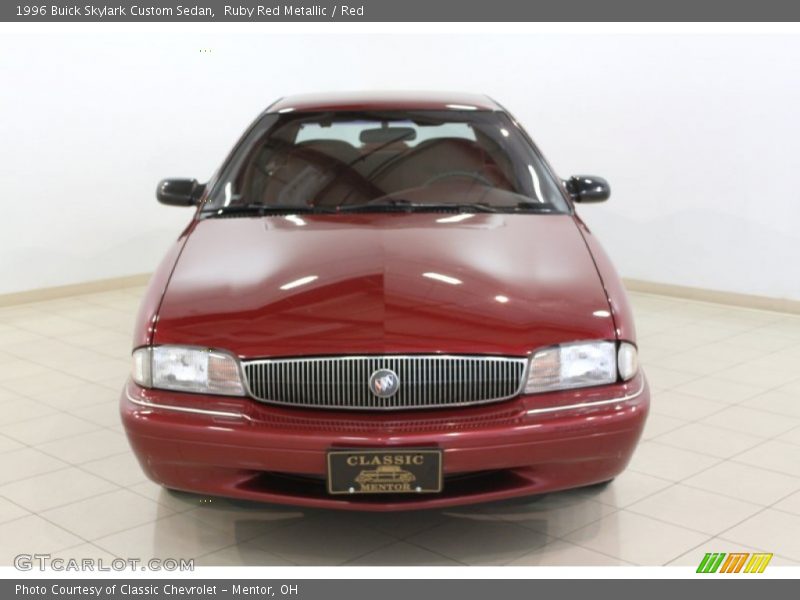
(698,135)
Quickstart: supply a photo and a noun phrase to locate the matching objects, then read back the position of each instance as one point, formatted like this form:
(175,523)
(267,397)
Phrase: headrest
(335,148)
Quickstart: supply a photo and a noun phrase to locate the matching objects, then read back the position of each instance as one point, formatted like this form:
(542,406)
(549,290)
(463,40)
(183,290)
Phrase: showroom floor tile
(172,536)
(695,509)
(110,512)
(480,542)
(403,554)
(560,553)
(239,555)
(636,538)
(718,468)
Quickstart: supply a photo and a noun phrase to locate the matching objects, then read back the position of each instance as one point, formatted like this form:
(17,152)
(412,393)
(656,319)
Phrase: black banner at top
(398,11)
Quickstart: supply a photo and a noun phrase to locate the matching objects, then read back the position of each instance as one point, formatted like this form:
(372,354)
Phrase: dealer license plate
(402,471)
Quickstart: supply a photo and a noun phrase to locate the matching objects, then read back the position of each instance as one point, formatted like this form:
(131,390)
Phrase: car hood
(303,285)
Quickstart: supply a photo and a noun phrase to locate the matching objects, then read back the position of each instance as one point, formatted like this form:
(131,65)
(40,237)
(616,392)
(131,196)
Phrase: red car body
(556,285)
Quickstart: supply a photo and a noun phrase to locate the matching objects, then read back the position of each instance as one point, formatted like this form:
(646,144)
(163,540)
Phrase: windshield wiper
(387,205)
(536,207)
(399,204)
(263,209)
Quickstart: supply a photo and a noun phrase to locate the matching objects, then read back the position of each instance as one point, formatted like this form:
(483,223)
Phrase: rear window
(350,132)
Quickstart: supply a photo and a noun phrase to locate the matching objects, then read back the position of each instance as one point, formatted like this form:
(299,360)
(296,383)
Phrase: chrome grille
(425,381)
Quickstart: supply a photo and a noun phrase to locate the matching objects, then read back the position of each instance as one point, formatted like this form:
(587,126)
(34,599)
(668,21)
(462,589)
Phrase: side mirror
(588,188)
(179,192)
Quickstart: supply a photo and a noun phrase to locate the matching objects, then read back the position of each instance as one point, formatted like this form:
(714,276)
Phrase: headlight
(572,366)
(187,370)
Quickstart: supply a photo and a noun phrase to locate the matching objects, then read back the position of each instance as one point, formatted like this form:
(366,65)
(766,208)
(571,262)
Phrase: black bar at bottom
(703,586)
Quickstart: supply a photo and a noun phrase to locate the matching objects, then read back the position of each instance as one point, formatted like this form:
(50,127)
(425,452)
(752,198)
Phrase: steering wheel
(470,174)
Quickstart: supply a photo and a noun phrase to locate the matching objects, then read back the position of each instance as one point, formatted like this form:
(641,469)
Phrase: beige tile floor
(718,469)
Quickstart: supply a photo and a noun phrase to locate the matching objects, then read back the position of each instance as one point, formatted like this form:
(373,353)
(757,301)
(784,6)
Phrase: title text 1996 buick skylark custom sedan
(384,302)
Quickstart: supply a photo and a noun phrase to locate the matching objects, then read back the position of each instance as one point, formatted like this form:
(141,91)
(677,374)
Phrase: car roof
(358,101)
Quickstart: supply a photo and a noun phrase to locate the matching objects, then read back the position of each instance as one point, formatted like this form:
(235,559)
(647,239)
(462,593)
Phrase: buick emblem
(384,383)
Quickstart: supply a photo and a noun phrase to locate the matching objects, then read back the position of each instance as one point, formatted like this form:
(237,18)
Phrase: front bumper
(242,448)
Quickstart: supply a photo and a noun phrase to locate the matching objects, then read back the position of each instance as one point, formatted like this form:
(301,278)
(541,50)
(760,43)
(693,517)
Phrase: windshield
(403,160)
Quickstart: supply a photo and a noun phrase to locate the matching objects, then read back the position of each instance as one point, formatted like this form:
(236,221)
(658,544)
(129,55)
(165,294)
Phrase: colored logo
(384,383)
(734,562)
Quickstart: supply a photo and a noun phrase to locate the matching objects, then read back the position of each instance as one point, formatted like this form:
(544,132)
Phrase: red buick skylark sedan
(384,302)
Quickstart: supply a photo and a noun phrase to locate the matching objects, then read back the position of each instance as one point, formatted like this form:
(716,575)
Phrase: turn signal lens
(140,371)
(627,361)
